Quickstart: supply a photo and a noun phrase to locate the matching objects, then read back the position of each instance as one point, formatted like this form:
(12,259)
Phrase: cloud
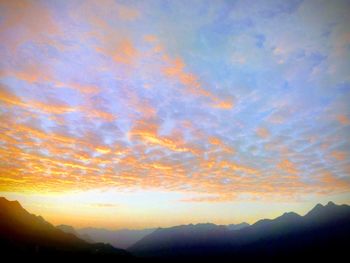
(339,155)
(81,88)
(288,167)
(330,183)
(145,96)
(11,99)
(52,108)
(149,134)
(209,199)
(263,133)
(125,52)
(218,143)
(224,105)
(343,119)
(33,19)
(127,13)
(176,70)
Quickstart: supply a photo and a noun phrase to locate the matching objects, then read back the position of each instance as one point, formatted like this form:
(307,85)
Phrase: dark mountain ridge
(122,238)
(323,232)
(125,238)
(25,235)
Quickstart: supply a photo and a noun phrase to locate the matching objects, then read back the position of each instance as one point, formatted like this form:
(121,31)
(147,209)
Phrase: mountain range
(125,238)
(322,233)
(24,235)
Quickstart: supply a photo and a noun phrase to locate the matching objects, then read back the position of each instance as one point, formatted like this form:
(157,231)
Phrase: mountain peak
(318,206)
(287,217)
(7,204)
(330,203)
(3,200)
(32,235)
(323,210)
(290,214)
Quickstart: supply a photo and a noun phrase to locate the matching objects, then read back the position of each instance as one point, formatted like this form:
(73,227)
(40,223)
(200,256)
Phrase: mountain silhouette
(329,212)
(25,235)
(71,230)
(323,232)
(237,226)
(184,240)
(122,238)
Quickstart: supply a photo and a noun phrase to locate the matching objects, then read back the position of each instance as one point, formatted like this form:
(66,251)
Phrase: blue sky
(200,104)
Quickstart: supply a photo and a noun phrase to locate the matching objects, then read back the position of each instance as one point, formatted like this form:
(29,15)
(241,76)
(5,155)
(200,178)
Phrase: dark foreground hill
(23,235)
(323,233)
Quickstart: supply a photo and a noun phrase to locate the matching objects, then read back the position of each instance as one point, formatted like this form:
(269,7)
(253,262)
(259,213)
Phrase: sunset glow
(157,113)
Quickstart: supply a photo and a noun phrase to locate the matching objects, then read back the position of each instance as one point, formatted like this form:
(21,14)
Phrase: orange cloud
(288,167)
(103,150)
(34,159)
(339,155)
(125,52)
(127,13)
(72,163)
(329,183)
(84,89)
(148,133)
(263,133)
(236,167)
(343,119)
(150,38)
(29,73)
(11,99)
(99,114)
(220,144)
(143,107)
(225,105)
(176,70)
(52,108)
(210,198)
(114,42)
(34,19)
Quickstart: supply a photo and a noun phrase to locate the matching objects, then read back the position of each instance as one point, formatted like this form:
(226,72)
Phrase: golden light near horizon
(139,114)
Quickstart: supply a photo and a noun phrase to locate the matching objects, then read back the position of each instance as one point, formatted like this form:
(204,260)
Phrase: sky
(133,114)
